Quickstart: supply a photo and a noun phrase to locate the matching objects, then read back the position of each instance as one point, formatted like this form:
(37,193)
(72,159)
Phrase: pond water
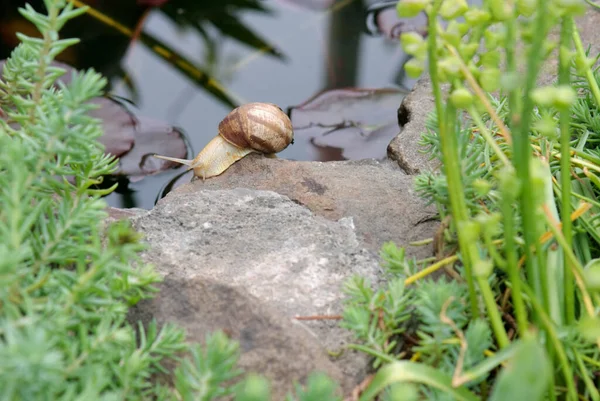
(323,49)
(304,37)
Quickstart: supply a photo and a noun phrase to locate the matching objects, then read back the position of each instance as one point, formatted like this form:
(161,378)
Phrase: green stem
(588,72)
(565,167)
(522,150)
(594,395)
(494,315)
(512,264)
(446,124)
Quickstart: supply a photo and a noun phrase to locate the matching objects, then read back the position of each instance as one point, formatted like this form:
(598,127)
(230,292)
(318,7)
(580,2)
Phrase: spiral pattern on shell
(263,127)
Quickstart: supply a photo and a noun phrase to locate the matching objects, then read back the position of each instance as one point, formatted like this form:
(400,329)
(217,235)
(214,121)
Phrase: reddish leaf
(133,139)
(360,122)
(152,137)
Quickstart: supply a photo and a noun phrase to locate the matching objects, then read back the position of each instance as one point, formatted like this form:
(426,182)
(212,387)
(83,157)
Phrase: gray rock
(412,114)
(282,255)
(376,197)
(267,344)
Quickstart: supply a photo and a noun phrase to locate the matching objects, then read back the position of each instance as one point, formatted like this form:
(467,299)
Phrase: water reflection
(192,61)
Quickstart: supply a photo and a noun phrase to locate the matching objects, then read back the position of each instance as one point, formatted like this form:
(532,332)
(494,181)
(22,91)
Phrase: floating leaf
(151,137)
(131,138)
(361,122)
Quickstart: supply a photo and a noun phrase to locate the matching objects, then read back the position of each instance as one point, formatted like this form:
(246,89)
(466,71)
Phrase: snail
(253,127)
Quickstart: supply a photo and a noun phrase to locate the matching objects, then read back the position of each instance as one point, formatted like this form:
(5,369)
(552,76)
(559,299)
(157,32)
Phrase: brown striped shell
(263,127)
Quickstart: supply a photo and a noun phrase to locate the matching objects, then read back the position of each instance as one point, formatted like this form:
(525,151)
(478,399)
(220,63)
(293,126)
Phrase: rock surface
(259,259)
(267,345)
(412,115)
(376,197)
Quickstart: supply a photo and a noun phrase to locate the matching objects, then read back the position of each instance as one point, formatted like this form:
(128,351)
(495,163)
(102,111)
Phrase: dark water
(304,37)
(323,49)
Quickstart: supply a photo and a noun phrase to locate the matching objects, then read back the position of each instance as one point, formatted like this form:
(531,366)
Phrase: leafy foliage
(515,317)
(67,278)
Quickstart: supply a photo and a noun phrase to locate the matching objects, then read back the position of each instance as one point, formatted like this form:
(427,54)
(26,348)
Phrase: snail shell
(252,127)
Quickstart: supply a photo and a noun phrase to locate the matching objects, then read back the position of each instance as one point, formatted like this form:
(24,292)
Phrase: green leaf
(526,375)
(412,372)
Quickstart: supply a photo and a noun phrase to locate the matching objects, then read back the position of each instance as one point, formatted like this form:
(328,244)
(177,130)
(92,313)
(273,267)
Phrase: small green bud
(527,33)
(501,9)
(470,230)
(489,79)
(412,43)
(526,7)
(483,268)
(253,388)
(411,8)
(461,98)
(482,187)
(511,81)
(489,222)
(450,67)
(561,97)
(565,97)
(492,39)
(509,183)
(468,50)
(474,69)
(547,126)
(490,59)
(591,274)
(571,7)
(476,16)
(452,9)
(582,64)
(543,95)
(452,34)
(414,67)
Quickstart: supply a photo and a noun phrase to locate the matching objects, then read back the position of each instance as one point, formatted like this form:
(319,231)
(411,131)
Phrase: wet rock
(376,197)
(262,254)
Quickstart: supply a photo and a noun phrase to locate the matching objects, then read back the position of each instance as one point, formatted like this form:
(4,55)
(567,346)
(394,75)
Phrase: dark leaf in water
(200,77)
(118,125)
(224,15)
(152,137)
(361,122)
(382,19)
(132,139)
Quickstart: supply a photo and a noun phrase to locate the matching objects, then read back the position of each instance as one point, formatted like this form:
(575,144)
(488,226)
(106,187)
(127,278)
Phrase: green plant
(66,278)
(518,195)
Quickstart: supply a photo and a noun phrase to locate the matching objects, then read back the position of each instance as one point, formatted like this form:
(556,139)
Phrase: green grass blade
(413,372)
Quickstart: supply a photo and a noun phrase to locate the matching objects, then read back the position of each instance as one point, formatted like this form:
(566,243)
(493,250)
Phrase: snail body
(253,127)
